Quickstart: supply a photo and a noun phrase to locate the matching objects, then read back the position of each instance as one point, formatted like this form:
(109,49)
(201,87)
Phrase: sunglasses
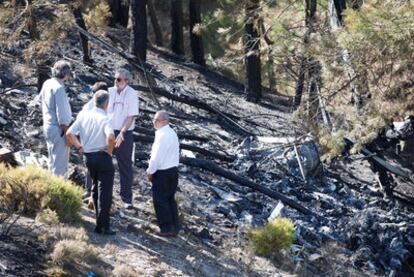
(119,79)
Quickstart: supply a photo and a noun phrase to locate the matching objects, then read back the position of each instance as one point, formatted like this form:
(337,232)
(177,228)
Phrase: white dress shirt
(165,150)
(123,105)
(88,107)
(93,128)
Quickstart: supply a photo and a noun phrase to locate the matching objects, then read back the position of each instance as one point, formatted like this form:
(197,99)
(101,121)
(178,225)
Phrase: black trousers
(102,171)
(123,156)
(164,186)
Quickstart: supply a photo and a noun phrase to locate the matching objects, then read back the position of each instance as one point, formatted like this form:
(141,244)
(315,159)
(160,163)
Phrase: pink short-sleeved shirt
(122,105)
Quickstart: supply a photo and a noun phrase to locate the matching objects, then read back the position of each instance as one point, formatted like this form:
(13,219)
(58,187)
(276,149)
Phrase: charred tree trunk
(177,40)
(340,6)
(252,52)
(138,43)
(314,73)
(310,12)
(77,13)
(197,48)
(120,12)
(357,4)
(300,83)
(154,23)
(41,65)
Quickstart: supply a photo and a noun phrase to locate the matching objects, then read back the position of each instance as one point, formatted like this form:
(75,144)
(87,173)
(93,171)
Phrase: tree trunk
(41,65)
(154,22)
(314,73)
(197,49)
(252,52)
(300,83)
(357,4)
(340,6)
(84,40)
(138,43)
(177,40)
(310,11)
(120,12)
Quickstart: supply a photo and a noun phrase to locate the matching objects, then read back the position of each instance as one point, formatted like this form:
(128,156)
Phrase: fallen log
(389,167)
(214,168)
(181,135)
(231,124)
(205,152)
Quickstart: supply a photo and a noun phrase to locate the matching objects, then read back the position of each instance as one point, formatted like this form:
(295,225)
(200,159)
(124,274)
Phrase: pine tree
(252,51)
(154,23)
(177,41)
(197,48)
(138,43)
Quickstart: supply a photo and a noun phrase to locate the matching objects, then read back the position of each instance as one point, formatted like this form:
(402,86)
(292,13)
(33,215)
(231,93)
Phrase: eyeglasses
(119,79)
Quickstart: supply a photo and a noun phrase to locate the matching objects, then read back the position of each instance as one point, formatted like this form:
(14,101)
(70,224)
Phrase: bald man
(162,172)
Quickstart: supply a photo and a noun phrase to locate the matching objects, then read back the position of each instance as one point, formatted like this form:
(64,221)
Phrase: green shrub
(275,236)
(30,190)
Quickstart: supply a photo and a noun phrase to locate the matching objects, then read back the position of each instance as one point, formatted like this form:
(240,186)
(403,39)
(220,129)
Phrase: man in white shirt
(124,108)
(88,107)
(98,141)
(57,116)
(162,172)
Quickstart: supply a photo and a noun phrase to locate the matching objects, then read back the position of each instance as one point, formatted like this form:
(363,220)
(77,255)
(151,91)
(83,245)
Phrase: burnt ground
(22,254)
(359,231)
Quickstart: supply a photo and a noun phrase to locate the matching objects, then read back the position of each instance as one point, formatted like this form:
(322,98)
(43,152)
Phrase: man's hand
(80,150)
(119,139)
(149,177)
(109,153)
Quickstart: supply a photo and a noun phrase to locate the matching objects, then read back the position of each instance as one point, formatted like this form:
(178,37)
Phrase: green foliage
(30,190)
(220,30)
(332,145)
(273,237)
(97,16)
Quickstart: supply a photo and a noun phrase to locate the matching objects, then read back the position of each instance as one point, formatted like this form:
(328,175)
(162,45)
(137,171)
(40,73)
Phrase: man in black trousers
(98,141)
(163,174)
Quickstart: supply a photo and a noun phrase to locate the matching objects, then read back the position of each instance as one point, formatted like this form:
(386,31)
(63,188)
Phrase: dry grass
(123,270)
(74,251)
(48,217)
(70,233)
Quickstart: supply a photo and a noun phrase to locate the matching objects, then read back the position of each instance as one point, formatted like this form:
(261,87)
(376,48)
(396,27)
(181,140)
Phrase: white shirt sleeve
(133,103)
(75,127)
(156,152)
(108,128)
(63,111)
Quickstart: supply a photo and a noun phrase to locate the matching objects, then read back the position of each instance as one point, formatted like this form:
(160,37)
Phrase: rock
(6,156)
(276,212)
(3,121)
(26,157)
(203,234)
(314,257)
(208,270)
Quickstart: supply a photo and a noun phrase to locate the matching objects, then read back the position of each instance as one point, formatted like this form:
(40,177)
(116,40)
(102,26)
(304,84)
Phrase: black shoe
(105,231)
(108,231)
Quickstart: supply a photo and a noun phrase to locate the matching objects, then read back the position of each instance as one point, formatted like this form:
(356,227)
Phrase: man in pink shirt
(124,108)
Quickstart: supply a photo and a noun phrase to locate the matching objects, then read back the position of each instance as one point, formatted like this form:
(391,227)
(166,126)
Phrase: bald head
(161,119)
(101,99)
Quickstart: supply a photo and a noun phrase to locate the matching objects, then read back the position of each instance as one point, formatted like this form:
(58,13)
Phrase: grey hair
(163,115)
(101,98)
(60,69)
(125,73)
